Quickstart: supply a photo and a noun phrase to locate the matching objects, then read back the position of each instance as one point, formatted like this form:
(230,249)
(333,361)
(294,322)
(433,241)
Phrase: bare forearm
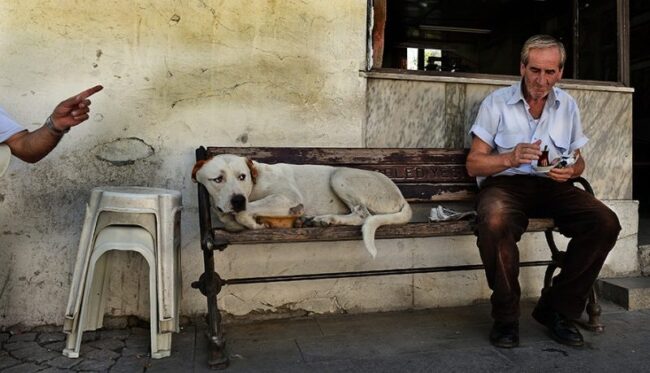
(33,146)
(487,164)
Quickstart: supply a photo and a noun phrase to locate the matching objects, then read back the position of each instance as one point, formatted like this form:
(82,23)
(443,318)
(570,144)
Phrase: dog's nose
(238,202)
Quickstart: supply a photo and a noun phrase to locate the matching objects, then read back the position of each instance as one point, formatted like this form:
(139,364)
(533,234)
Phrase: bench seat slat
(351,233)
(347,156)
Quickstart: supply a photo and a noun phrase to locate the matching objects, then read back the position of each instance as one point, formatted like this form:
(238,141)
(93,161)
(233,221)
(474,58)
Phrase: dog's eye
(242,177)
(218,179)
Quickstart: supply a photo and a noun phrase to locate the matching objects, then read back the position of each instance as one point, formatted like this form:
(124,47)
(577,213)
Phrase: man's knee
(499,223)
(609,225)
(493,223)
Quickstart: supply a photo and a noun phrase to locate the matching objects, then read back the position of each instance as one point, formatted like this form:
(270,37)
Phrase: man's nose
(238,202)
(543,78)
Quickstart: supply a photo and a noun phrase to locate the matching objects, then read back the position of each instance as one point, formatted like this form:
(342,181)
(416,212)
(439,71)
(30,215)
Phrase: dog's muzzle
(238,202)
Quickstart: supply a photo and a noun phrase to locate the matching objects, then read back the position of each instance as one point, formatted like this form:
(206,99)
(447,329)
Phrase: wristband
(50,125)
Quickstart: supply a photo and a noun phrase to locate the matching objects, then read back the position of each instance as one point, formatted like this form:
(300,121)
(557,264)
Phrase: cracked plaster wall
(177,75)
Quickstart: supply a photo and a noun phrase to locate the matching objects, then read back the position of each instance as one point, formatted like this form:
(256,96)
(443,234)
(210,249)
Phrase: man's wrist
(507,160)
(49,124)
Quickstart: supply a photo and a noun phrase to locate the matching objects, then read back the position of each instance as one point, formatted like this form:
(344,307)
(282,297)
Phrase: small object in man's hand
(543,159)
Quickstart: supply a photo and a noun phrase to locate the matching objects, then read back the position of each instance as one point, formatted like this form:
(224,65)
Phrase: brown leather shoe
(560,328)
(505,334)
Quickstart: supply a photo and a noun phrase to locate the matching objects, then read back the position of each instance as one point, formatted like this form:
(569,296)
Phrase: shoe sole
(505,345)
(565,342)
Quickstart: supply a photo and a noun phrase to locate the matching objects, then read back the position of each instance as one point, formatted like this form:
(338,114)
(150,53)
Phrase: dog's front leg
(248,220)
(230,223)
(275,205)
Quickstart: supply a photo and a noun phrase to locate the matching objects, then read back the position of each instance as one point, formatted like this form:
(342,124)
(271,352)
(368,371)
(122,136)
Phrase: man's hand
(74,110)
(525,153)
(561,174)
(481,161)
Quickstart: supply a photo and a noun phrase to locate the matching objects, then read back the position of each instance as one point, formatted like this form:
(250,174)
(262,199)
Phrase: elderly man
(512,127)
(33,146)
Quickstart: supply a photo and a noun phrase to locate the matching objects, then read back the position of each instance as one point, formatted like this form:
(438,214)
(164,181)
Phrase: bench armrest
(585,184)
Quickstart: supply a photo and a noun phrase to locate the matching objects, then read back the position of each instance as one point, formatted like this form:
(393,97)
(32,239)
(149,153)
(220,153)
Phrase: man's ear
(196,168)
(253,169)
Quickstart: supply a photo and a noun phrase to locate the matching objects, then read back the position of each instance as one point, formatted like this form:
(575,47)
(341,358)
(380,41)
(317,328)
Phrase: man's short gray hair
(542,41)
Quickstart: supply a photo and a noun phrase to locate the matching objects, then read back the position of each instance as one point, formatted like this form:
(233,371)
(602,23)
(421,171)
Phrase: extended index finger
(89,92)
(83,95)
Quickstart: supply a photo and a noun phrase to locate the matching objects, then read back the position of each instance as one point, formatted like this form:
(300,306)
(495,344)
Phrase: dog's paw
(321,222)
(304,221)
(234,228)
(299,223)
(297,210)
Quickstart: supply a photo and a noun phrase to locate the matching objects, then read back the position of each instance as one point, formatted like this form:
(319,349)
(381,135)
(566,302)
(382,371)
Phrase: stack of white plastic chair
(144,220)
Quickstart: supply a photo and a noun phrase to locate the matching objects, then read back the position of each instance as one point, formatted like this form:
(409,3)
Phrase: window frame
(377,14)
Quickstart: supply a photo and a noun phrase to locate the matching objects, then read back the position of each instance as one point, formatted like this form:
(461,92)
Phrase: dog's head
(229,180)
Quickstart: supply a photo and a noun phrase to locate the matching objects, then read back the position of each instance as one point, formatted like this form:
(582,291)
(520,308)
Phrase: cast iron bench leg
(217,353)
(210,285)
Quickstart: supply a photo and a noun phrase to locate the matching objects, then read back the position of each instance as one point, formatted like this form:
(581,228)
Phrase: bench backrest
(423,175)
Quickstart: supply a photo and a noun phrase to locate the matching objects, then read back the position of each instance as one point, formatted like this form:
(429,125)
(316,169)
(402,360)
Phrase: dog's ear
(253,169)
(196,168)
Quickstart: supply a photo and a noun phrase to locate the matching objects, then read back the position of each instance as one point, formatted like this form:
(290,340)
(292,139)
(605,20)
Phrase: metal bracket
(209,243)
(209,284)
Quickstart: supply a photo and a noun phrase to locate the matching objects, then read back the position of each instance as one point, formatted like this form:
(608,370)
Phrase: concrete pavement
(447,339)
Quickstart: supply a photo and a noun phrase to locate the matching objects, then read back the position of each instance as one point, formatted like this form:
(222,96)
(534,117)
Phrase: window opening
(485,36)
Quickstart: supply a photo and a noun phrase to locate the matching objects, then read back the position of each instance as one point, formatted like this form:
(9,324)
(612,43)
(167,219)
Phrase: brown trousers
(504,205)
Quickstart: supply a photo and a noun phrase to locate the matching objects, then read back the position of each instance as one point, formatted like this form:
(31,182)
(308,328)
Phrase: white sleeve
(8,126)
(487,122)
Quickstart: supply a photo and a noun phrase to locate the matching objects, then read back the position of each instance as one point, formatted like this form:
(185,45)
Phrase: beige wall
(177,74)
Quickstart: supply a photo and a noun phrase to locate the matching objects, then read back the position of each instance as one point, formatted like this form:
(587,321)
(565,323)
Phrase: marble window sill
(502,80)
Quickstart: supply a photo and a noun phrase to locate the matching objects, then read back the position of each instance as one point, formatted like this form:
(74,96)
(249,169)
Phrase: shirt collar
(518,95)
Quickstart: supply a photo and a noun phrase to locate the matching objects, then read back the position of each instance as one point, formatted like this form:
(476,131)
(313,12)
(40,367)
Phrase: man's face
(542,71)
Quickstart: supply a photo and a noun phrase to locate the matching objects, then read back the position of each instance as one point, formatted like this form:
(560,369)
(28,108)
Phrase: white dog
(243,192)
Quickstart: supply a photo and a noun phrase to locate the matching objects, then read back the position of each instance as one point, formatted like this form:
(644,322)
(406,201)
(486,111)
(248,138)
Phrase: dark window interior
(640,80)
(485,36)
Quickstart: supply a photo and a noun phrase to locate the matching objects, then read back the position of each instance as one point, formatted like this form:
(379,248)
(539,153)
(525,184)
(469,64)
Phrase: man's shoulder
(502,95)
(563,96)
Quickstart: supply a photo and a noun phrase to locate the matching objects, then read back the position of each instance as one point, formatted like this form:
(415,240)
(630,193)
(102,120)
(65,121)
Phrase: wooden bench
(435,176)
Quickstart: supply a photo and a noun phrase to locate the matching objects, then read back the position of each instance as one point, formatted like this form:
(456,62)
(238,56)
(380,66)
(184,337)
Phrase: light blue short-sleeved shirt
(8,126)
(504,120)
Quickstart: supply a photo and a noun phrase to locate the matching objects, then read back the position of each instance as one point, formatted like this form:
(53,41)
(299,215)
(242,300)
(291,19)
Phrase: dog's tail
(375,221)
